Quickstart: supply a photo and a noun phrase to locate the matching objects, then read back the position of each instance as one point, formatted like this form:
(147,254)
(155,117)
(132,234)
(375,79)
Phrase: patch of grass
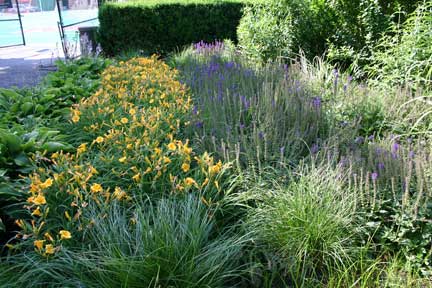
(308,223)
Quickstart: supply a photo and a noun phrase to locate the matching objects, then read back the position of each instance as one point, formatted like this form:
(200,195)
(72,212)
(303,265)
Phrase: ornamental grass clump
(170,242)
(309,224)
(127,142)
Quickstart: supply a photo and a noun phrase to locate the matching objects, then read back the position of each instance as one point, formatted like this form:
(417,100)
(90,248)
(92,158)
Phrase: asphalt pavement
(25,66)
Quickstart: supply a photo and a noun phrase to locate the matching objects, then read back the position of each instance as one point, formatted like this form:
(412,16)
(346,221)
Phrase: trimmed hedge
(166,27)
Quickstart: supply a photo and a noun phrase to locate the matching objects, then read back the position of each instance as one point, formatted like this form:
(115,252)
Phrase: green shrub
(361,25)
(406,58)
(167,27)
(266,31)
(280,27)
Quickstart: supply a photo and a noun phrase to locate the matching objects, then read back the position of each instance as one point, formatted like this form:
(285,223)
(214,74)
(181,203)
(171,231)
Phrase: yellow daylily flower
(46,184)
(36,212)
(82,148)
(136,177)
(185,167)
(189,181)
(38,200)
(75,118)
(48,236)
(172,146)
(49,249)
(64,234)
(38,244)
(95,188)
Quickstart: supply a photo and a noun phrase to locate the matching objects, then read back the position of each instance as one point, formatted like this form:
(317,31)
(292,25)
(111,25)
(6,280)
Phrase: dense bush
(166,27)
(406,58)
(345,30)
(268,28)
(266,31)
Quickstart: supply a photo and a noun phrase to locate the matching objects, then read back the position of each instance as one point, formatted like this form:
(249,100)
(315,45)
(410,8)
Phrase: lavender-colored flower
(261,135)
(229,65)
(343,162)
(316,102)
(208,48)
(246,103)
(349,79)
(248,73)
(380,166)
(395,147)
(411,154)
(199,124)
(242,126)
(335,72)
(314,148)
(371,137)
(359,140)
(374,176)
(394,150)
(195,110)
(336,75)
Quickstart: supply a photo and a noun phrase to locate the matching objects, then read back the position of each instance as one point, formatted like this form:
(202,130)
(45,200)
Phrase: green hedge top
(164,26)
(150,3)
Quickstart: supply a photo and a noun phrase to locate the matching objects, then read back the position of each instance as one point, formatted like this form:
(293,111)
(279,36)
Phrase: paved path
(26,65)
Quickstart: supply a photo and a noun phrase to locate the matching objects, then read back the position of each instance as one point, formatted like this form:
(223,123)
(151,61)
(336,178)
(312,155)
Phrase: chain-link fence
(11,27)
(49,22)
(78,20)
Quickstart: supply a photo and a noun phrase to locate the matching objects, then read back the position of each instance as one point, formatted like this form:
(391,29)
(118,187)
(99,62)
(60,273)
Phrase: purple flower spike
(199,124)
(314,149)
(261,135)
(316,102)
(246,102)
(374,176)
(359,140)
(380,166)
(411,154)
(195,110)
(371,137)
(395,147)
(229,65)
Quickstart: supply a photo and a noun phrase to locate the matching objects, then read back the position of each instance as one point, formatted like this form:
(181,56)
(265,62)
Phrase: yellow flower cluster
(133,120)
